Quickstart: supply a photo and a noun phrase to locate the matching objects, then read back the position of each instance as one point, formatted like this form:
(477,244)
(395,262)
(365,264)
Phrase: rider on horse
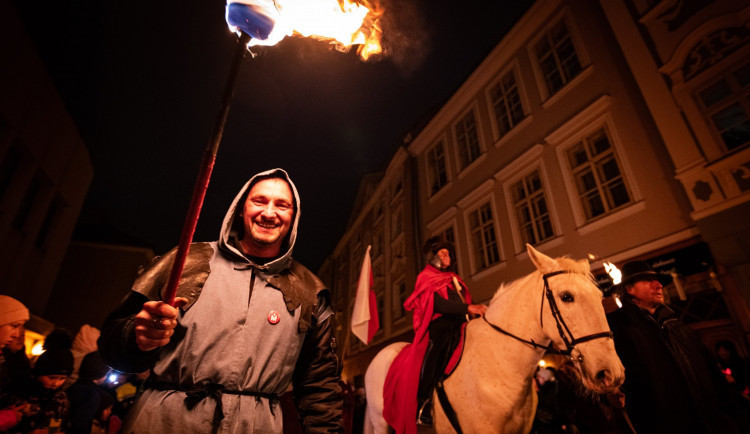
(441,304)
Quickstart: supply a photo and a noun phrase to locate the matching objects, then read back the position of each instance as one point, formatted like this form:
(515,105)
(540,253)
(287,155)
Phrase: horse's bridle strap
(562,327)
(507,333)
(565,333)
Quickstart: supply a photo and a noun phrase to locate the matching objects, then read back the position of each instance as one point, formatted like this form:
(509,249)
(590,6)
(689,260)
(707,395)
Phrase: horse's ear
(543,263)
(585,264)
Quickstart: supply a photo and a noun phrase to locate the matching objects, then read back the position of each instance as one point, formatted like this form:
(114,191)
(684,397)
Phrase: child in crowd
(48,403)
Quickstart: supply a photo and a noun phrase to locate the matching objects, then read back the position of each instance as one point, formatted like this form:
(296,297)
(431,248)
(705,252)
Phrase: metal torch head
(256,18)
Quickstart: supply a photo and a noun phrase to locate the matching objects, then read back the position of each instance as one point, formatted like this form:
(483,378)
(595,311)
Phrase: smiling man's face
(267,215)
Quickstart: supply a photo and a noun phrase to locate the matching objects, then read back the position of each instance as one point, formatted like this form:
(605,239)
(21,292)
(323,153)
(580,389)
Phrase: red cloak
(402,381)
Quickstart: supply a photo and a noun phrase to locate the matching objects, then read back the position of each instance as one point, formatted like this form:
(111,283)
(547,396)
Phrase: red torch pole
(204,175)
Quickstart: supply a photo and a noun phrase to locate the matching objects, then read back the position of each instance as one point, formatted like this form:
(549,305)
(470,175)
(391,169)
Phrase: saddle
(457,352)
(439,366)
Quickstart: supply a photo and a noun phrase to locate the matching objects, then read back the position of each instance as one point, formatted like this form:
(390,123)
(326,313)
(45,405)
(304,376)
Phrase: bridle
(565,333)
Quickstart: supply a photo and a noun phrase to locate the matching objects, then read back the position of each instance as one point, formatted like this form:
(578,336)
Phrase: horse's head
(573,318)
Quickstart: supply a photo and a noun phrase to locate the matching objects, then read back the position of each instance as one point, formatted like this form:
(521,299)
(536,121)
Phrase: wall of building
(569,137)
(45,170)
(690,63)
(100,275)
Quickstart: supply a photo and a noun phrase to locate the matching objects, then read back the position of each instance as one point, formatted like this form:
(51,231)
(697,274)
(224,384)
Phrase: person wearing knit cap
(54,365)
(44,392)
(13,315)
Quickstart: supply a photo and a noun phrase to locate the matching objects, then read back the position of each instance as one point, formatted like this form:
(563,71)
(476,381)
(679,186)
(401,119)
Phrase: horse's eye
(567,297)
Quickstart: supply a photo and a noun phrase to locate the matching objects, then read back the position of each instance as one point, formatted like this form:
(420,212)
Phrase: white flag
(365,320)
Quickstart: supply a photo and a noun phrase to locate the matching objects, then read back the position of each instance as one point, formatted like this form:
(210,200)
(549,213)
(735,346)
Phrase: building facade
(593,131)
(45,171)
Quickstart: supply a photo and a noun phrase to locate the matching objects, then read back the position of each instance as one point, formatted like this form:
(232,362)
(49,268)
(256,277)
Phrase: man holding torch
(248,320)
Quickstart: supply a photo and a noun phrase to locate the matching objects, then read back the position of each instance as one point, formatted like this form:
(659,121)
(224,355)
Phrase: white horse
(558,307)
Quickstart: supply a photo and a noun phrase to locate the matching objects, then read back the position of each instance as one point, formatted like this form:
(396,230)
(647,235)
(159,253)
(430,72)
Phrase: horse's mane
(565,263)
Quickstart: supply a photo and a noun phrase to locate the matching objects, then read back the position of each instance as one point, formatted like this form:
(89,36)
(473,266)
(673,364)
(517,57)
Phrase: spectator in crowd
(550,416)
(587,412)
(49,405)
(17,362)
(736,370)
(347,391)
(671,381)
(13,316)
(105,422)
(86,394)
(83,343)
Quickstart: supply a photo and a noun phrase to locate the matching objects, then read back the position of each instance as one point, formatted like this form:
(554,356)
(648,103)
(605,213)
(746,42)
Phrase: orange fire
(343,23)
(613,272)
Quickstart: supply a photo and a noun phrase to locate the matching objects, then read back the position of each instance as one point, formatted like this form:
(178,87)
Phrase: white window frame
(706,113)
(523,166)
(515,70)
(481,196)
(396,220)
(447,157)
(394,296)
(684,91)
(397,187)
(548,97)
(591,119)
(474,109)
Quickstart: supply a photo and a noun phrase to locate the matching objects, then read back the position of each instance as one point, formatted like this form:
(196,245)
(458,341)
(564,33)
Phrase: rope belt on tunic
(197,393)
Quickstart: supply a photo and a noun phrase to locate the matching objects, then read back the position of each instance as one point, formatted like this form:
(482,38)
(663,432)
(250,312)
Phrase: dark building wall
(100,275)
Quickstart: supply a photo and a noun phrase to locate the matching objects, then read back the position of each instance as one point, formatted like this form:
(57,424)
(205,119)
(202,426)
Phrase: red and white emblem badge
(273,317)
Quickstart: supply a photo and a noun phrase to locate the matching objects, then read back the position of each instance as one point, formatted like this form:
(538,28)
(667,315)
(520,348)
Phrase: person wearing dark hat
(441,304)
(671,384)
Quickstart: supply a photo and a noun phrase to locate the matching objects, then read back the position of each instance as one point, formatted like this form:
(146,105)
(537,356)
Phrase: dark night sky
(143,81)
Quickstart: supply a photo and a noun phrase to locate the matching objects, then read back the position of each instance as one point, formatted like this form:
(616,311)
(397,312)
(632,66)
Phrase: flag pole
(204,174)
(347,339)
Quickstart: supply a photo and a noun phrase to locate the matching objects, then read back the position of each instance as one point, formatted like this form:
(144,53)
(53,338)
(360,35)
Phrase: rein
(562,328)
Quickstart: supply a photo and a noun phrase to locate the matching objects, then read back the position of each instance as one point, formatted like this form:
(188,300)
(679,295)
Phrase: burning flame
(613,272)
(343,23)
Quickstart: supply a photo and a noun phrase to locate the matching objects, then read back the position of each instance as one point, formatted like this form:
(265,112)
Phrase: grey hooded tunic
(248,331)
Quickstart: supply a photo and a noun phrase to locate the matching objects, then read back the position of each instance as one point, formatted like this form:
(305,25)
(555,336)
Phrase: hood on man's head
(12,310)
(233,224)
